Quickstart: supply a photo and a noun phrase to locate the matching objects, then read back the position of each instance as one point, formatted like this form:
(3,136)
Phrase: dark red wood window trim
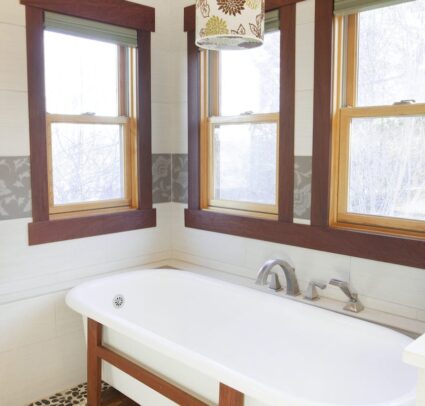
(318,236)
(118,12)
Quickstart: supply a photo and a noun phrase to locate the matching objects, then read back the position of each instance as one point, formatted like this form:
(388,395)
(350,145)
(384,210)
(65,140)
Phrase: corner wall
(42,345)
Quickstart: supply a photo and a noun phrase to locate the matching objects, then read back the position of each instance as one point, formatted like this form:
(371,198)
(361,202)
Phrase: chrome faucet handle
(354,305)
(311,292)
(275,282)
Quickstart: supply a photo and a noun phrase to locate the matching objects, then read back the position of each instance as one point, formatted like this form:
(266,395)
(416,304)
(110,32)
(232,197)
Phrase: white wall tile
(215,247)
(14,139)
(26,322)
(389,282)
(25,270)
(161,127)
(180,128)
(304,123)
(13,68)
(11,12)
(47,352)
(305,12)
(304,77)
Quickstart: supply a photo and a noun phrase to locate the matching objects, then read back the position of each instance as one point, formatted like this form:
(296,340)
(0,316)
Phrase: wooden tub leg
(94,363)
(230,396)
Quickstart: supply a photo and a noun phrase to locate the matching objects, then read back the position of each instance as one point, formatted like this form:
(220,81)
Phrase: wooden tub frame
(96,352)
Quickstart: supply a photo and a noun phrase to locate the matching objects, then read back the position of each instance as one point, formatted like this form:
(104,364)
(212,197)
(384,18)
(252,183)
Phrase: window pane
(387,167)
(81,75)
(392,54)
(250,79)
(88,162)
(245,162)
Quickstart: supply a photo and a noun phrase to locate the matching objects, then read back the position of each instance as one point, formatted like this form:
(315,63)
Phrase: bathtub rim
(203,364)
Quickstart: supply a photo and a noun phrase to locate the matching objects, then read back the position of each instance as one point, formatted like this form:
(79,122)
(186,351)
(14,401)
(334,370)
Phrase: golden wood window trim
(127,119)
(128,164)
(210,115)
(345,108)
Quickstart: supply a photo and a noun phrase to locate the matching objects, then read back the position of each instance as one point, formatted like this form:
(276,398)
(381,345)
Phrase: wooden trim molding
(194,125)
(94,362)
(37,114)
(374,245)
(322,114)
(96,352)
(385,248)
(230,396)
(118,12)
(45,229)
(287,113)
(144,145)
(43,232)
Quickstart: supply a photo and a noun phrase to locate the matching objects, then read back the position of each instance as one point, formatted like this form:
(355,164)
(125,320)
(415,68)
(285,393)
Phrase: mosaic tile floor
(71,397)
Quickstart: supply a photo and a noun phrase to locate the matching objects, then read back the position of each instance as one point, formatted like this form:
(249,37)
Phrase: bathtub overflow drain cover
(118,301)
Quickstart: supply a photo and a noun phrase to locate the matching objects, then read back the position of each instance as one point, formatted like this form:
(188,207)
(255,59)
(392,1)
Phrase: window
(380,124)
(381,243)
(240,131)
(89,97)
(90,116)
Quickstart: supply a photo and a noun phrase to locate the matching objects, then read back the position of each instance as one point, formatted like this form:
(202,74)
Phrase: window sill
(356,243)
(242,213)
(89,226)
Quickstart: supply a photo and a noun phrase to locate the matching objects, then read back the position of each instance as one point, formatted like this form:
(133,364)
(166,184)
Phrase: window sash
(210,116)
(343,218)
(126,202)
(345,110)
(236,204)
(127,118)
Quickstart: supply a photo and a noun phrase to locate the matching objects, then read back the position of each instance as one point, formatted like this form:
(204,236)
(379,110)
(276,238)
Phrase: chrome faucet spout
(292,288)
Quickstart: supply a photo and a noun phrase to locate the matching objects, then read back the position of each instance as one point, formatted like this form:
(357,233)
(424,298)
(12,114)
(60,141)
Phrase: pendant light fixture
(229,24)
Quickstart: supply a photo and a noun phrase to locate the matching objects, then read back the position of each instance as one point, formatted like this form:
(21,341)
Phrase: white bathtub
(198,331)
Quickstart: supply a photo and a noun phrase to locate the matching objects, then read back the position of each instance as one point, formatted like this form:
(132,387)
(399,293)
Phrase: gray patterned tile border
(302,183)
(161,178)
(302,187)
(179,178)
(15,188)
(169,184)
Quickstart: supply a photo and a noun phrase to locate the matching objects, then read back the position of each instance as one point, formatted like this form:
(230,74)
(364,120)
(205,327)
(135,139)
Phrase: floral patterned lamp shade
(229,24)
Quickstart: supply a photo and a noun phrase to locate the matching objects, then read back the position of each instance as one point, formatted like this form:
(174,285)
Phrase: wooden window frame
(211,116)
(47,227)
(346,109)
(319,235)
(127,119)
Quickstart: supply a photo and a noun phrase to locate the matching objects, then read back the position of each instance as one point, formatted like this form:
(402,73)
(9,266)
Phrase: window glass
(87,162)
(245,162)
(391,54)
(81,75)
(387,167)
(249,79)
